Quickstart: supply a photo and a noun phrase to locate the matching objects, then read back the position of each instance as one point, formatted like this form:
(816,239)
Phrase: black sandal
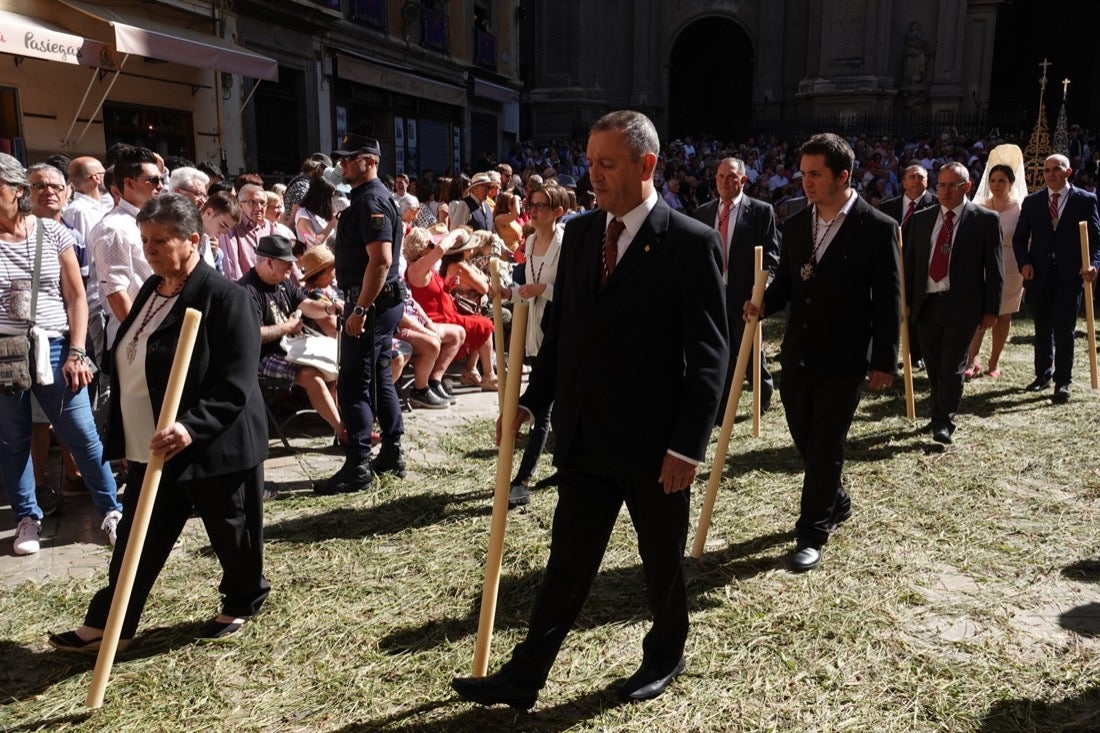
(70,642)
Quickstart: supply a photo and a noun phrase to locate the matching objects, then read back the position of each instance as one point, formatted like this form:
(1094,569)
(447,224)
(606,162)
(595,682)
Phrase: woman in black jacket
(214,452)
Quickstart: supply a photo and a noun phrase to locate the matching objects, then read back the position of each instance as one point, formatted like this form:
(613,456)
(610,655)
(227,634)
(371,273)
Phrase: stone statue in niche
(917,51)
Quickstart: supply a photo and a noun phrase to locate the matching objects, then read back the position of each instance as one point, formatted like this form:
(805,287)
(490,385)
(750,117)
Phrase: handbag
(15,351)
(466,305)
(314,351)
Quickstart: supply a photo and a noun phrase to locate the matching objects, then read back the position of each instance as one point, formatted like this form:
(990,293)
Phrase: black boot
(352,476)
(389,460)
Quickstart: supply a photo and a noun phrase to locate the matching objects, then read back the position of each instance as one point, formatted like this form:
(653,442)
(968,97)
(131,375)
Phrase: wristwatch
(359,311)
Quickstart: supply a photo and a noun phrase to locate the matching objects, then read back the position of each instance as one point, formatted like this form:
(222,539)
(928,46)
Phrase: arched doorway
(710,79)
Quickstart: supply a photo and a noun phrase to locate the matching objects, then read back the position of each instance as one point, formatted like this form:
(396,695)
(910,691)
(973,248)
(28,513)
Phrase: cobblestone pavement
(74,546)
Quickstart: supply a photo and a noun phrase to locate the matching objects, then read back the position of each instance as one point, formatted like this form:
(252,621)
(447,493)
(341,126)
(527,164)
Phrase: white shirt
(943,285)
(120,265)
(826,231)
(134,401)
(1062,196)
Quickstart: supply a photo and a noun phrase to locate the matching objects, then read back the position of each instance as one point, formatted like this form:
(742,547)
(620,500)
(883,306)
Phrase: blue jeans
(71,417)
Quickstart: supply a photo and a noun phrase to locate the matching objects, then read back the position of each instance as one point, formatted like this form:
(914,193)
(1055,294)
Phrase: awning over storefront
(364,72)
(495,92)
(23,36)
(149,38)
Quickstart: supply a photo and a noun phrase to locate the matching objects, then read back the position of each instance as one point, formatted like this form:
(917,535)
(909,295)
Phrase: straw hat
(316,260)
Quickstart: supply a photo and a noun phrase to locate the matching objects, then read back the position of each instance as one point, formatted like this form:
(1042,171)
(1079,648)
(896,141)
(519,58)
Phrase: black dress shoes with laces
(1061,394)
(649,682)
(496,689)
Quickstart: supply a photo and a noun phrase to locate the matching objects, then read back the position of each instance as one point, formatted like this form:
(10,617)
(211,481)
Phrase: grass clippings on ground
(964,595)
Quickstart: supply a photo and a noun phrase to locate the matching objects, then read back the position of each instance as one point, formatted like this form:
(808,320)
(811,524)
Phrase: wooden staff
(906,362)
(125,585)
(1090,315)
(727,417)
(498,330)
(500,496)
(757,346)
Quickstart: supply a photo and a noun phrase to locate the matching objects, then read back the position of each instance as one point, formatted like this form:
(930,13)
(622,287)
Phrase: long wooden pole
(1090,315)
(906,361)
(757,347)
(724,432)
(498,330)
(495,555)
(149,486)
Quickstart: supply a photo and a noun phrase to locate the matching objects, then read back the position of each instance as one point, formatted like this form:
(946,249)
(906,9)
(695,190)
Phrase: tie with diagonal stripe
(611,249)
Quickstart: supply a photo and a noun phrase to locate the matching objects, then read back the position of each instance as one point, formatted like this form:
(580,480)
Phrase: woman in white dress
(1002,189)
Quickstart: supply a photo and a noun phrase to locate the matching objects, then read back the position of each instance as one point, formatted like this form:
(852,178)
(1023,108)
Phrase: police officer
(368,241)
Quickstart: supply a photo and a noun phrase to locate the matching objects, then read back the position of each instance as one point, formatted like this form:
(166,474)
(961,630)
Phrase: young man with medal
(838,270)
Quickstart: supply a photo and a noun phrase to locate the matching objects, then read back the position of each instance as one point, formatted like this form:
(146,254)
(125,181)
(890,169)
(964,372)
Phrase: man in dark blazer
(1047,245)
(954,274)
(838,270)
(742,223)
(633,360)
(916,197)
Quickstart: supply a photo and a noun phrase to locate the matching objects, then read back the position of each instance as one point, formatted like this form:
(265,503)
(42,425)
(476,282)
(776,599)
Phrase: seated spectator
(318,265)
(281,308)
(239,243)
(315,219)
(506,222)
(434,347)
(274,214)
(423,248)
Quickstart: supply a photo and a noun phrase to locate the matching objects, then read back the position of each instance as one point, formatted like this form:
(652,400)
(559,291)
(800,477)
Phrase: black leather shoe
(496,689)
(941,435)
(1061,394)
(389,460)
(647,683)
(518,495)
(351,477)
(842,513)
(1038,385)
(805,558)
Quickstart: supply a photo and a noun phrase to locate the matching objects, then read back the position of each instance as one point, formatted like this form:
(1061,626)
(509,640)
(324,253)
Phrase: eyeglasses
(943,186)
(538,205)
(39,187)
(357,158)
(192,192)
(259,203)
(154,181)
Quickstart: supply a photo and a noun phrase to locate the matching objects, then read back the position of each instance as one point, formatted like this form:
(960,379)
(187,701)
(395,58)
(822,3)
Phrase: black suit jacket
(634,368)
(976,269)
(1056,252)
(845,318)
(755,226)
(894,208)
(221,405)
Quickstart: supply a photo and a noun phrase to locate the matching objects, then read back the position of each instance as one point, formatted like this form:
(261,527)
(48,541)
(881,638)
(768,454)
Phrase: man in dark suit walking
(916,197)
(838,270)
(742,224)
(1047,245)
(954,273)
(639,285)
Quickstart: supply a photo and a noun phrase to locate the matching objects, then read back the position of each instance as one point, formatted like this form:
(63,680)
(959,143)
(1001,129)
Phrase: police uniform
(365,389)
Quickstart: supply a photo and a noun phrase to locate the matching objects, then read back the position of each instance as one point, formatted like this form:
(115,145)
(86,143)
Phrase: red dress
(440,307)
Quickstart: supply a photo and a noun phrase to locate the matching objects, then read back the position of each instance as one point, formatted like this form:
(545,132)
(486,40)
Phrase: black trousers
(1055,305)
(231,509)
(361,359)
(819,412)
(767,384)
(945,342)
(588,506)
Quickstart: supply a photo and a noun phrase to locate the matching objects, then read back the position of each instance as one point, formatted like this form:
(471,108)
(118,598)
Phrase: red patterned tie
(611,249)
(941,255)
(909,212)
(724,230)
(1054,208)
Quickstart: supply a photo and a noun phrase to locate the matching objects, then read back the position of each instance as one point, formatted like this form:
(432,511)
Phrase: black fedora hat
(276,248)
